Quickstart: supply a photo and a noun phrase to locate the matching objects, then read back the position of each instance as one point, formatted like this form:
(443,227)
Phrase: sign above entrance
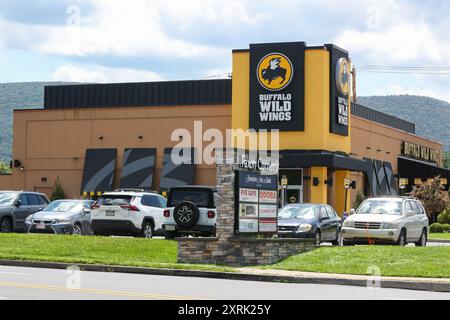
(277,86)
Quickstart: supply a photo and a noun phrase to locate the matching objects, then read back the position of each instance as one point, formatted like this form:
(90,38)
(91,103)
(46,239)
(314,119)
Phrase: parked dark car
(310,221)
(16,206)
(62,217)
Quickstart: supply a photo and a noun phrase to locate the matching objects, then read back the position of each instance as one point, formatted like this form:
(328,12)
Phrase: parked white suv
(191,211)
(123,212)
(398,220)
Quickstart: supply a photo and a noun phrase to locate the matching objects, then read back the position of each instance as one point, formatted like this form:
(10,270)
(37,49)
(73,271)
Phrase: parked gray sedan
(62,217)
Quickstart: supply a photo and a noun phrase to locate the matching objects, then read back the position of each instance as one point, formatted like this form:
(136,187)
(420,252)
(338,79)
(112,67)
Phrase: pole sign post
(257,205)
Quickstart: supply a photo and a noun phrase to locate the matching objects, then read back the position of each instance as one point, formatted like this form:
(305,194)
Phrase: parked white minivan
(398,220)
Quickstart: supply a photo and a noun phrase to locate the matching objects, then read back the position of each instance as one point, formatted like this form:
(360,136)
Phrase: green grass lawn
(445,236)
(152,253)
(431,262)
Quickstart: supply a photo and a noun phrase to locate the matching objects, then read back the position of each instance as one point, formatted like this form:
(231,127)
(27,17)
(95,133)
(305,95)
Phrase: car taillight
(130,208)
(167,213)
(211,214)
(95,206)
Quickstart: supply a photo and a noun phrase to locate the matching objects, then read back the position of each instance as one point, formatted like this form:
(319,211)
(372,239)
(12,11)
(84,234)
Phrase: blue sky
(146,40)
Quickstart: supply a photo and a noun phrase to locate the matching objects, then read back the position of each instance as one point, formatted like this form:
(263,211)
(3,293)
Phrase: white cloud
(101,74)
(399,44)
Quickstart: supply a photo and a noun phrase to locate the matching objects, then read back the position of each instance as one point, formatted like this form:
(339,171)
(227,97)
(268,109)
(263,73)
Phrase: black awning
(416,169)
(331,160)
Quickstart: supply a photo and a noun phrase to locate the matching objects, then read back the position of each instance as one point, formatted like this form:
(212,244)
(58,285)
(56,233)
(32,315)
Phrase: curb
(434,286)
(439,240)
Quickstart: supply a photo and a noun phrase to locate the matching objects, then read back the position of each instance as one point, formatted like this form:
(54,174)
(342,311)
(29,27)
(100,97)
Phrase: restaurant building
(99,137)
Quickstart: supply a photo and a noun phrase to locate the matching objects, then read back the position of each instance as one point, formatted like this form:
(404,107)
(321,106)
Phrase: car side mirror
(85,211)
(18,203)
(324,218)
(410,213)
(352,211)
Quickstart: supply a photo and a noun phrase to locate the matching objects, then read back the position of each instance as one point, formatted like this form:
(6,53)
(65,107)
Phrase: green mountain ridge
(430,115)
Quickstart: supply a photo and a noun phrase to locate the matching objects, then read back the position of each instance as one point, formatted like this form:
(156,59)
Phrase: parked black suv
(191,211)
(16,206)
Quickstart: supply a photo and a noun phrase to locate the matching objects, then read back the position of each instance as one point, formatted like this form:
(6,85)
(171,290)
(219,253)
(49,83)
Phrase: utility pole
(354,96)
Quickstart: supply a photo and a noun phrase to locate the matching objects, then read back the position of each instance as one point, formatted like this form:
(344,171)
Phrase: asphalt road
(48,284)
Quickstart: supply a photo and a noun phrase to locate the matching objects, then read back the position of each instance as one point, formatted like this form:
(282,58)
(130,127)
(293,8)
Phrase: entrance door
(294,194)
(293,191)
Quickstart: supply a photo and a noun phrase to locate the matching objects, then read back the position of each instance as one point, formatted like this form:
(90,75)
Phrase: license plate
(40,226)
(110,213)
(170,228)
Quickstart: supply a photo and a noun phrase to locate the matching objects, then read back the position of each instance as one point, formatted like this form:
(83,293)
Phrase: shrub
(58,191)
(444,217)
(360,198)
(437,228)
(446,227)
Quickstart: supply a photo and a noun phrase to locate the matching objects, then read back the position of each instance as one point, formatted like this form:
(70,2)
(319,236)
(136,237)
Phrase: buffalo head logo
(274,71)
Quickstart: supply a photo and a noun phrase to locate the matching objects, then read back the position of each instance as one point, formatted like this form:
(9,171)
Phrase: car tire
(170,235)
(423,239)
(317,237)
(147,230)
(186,215)
(338,241)
(6,225)
(77,230)
(347,243)
(402,239)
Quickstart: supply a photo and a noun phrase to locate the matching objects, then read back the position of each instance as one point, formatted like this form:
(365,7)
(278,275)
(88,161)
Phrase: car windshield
(64,206)
(7,199)
(199,197)
(298,212)
(381,207)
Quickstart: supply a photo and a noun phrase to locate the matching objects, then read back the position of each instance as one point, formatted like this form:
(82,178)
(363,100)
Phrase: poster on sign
(267,196)
(248,210)
(268,225)
(248,225)
(248,195)
(267,211)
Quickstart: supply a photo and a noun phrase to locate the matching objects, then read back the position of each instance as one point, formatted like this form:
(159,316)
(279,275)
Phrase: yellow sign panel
(444,181)
(275,71)
(284,181)
(417,181)
(403,182)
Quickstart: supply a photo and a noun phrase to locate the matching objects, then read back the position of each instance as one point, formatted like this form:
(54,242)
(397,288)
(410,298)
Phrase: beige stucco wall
(52,143)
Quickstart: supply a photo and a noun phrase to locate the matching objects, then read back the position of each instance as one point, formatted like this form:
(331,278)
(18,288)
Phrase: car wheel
(338,241)
(318,238)
(6,225)
(347,243)
(77,230)
(147,230)
(170,235)
(402,239)
(423,239)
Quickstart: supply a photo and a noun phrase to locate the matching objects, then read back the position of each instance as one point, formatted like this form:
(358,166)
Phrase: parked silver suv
(398,220)
(16,206)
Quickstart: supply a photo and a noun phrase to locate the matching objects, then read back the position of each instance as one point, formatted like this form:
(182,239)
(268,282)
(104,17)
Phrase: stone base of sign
(238,252)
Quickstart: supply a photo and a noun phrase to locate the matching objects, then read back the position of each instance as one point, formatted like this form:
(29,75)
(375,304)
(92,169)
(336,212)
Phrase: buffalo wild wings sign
(419,152)
(277,86)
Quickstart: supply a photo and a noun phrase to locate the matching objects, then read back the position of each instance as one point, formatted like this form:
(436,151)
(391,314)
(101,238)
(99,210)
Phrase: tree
(58,191)
(433,197)
(360,198)
(4,169)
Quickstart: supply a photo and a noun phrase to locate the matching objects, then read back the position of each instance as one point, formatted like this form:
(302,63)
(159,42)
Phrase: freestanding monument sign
(239,248)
